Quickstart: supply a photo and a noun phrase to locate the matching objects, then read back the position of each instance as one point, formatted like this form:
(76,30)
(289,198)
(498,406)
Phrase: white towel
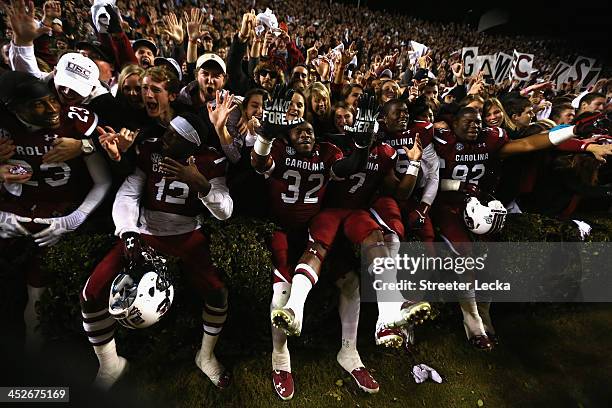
(100,16)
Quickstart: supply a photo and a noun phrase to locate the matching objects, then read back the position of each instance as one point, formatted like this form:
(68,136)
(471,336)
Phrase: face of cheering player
(296,107)
(68,97)
(175,146)
(156,99)
(524,119)
(42,112)
(144,56)
(494,117)
(302,138)
(132,90)
(342,117)
(397,118)
(467,127)
(210,79)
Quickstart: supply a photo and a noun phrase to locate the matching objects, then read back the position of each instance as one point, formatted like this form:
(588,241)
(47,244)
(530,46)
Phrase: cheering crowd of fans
(319,116)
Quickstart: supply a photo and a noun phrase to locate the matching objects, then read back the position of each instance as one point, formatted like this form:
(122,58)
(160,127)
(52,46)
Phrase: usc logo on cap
(78,70)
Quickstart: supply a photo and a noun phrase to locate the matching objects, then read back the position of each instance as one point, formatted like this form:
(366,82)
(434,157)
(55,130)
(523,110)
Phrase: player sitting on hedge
(42,198)
(158,206)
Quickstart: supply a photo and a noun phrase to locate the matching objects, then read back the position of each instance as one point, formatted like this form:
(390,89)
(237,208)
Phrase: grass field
(550,356)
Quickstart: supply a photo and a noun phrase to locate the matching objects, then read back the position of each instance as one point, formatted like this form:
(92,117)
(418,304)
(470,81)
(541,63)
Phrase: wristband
(559,136)
(413,169)
(262,146)
(450,185)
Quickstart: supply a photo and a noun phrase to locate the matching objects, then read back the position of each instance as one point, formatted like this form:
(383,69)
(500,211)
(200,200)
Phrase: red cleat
(481,342)
(388,336)
(283,384)
(365,381)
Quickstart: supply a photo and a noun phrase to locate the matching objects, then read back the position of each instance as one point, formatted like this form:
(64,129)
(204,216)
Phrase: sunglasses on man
(266,72)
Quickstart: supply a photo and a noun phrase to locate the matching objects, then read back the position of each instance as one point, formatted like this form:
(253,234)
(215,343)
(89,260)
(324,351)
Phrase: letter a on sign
(502,67)
(559,74)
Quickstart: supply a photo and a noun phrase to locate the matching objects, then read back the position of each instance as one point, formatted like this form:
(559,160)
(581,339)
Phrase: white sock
(349,305)
(206,360)
(471,318)
(348,356)
(31,319)
(111,367)
(483,311)
(300,287)
(388,312)
(389,301)
(107,356)
(30,316)
(281,359)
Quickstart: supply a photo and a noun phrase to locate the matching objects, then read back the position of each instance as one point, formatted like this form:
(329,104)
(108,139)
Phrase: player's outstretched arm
(58,226)
(597,123)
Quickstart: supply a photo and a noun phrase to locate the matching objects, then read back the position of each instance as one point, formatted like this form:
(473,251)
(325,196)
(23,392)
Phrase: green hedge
(238,249)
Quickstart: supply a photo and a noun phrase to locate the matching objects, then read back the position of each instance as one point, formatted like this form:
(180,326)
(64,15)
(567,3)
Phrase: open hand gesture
(219,114)
(174,28)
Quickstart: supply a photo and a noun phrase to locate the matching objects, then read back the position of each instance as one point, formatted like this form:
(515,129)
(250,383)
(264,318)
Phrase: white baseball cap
(210,57)
(77,72)
(170,63)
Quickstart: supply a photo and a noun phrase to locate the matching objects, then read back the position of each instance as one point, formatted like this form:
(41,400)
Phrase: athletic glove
(57,227)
